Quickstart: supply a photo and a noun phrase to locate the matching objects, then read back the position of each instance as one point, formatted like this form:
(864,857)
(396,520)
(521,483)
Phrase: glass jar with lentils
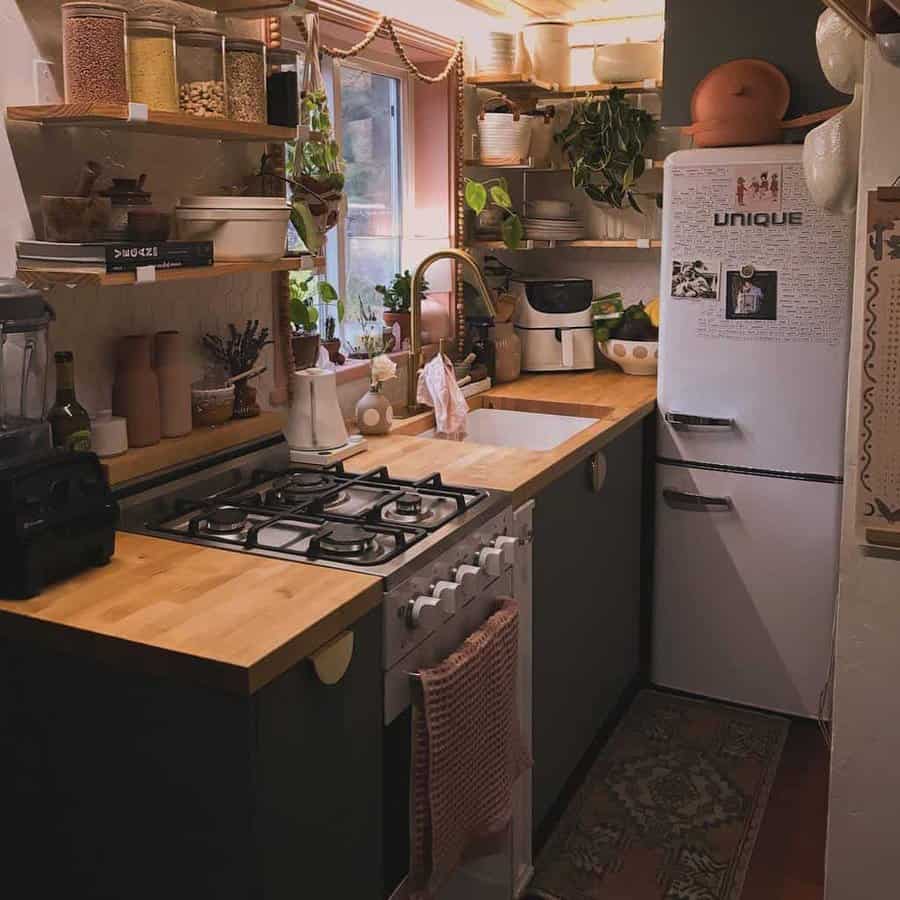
(201,73)
(95,68)
(151,63)
(245,72)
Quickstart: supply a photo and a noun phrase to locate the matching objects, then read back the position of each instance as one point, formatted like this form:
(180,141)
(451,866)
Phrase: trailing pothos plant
(306,293)
(496,192)
(604,143)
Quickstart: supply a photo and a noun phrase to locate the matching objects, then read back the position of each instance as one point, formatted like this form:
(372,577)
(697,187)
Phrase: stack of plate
(552,220)
(500,54)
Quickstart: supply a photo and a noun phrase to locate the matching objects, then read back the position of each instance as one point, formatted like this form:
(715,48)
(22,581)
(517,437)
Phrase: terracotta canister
(507,352)
(174,384)
(374,413)
(740,103)
(136,390)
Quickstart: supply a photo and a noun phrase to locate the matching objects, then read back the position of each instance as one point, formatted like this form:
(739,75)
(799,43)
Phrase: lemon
(652,310)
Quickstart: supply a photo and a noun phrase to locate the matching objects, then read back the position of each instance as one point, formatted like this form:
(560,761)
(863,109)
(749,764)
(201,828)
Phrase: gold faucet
(416,358)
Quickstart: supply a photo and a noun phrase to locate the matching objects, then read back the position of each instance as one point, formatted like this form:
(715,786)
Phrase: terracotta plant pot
(305,348)
(334,351)
(136,391)
(402,319)
(245,405)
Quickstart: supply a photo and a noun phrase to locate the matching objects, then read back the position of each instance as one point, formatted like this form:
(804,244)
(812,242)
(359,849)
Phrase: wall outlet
(45,90)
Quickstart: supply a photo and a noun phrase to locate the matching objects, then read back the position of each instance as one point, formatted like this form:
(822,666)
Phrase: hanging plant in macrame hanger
(317,172)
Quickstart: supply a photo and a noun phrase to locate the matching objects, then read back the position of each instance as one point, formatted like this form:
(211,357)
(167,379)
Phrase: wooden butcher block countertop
(234,621)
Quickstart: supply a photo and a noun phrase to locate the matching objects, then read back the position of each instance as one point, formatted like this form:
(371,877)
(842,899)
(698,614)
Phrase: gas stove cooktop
(260,503)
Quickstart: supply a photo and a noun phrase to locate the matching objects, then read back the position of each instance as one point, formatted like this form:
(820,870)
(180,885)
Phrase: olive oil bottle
(68,418)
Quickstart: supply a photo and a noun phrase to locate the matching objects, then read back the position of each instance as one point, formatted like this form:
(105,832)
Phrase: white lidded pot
(241,228)
(315,421)
(547,41)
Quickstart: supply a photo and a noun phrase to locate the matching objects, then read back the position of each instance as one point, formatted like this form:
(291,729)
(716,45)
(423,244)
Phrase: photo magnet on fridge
(695,278)
(751,294)
(758,188)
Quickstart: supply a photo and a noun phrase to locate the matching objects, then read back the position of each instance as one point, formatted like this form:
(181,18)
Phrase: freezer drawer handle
(695,502)
(684,422)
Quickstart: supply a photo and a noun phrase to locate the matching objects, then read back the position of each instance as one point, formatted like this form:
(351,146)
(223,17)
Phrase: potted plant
(332,343)
(494,194)
(397,300)
(306,294)
(604,145)
(374,338)
(239,355)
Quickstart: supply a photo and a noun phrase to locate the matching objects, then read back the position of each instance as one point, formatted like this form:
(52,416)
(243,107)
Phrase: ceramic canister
(174,384)
(136,390)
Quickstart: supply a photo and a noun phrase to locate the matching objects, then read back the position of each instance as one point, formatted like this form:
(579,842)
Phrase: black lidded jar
(283,87)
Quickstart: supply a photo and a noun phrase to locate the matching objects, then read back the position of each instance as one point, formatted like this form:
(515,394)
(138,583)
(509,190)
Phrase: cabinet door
(319,778)
(587,598)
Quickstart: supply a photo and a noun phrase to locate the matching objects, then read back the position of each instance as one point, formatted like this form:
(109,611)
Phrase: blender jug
(25,318)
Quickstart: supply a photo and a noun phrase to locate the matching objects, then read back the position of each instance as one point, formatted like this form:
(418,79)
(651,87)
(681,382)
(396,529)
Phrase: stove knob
(447,593)
(467,577)
(507,547)
(425,612)
(491,560)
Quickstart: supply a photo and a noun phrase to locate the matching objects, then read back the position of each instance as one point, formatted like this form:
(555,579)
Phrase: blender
(25,317)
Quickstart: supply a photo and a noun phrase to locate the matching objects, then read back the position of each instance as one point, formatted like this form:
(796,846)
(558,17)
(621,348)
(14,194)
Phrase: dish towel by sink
(467,753)
(438,389)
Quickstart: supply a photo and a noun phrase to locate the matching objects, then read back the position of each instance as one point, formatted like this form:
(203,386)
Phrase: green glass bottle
(69,420)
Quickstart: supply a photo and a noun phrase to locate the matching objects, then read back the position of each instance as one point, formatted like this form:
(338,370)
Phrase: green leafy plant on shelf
(604,144)
(495,191)
(397,297)
(306,293)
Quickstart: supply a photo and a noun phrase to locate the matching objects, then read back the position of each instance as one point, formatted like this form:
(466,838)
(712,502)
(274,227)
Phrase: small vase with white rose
(374,414)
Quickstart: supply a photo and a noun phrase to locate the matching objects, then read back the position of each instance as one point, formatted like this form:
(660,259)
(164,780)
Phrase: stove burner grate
(346,540)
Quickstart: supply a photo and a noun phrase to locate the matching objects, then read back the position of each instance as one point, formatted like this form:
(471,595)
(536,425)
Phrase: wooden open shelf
(200,442)
(116,115)
(549,245)
(525,166)
(525,85)
(46,275)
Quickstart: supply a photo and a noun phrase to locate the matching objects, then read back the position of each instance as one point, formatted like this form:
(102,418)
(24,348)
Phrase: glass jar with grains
(201,72)
(245,72)
(95,69)
(151,63)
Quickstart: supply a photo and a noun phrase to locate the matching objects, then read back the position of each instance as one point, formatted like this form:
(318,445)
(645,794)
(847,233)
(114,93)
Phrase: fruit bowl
(632,357)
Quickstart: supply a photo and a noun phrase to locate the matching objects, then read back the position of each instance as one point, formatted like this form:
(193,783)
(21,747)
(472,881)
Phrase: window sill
(355,369)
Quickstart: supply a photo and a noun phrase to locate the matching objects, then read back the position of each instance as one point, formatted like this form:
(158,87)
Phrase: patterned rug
(671,808)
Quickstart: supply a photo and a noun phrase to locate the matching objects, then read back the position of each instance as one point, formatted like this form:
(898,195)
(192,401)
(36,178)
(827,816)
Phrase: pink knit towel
(467,752)
(438,389)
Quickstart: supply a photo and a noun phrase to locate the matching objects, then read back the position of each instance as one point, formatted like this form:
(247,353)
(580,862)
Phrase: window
(365,250)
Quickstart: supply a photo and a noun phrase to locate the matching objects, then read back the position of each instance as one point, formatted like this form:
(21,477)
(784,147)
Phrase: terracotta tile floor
(788,861)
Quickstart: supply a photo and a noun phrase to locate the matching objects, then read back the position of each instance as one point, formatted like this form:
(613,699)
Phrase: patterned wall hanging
(878,503)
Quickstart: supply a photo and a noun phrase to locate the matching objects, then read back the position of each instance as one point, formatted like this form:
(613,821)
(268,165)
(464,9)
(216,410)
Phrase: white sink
(524,430)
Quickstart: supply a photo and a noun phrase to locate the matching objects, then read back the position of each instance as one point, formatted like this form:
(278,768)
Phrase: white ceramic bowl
(241,228)
(631,61)
(632,357)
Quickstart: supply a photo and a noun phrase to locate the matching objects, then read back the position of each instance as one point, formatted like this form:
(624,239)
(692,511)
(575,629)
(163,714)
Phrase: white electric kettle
(315,423)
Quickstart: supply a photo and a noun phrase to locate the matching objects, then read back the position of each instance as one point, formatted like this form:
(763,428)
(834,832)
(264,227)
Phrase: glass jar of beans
(245,73)
(201,73)
(95,69)
(151,63)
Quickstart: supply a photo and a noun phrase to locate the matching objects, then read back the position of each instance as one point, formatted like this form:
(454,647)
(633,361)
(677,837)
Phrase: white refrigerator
(755,294)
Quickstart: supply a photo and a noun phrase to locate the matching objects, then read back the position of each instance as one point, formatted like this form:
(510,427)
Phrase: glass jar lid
(97,10)
(245,44)
(199,36)
(282,56)
(157,26)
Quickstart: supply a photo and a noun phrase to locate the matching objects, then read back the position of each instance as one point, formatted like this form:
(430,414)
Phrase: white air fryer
(553,321)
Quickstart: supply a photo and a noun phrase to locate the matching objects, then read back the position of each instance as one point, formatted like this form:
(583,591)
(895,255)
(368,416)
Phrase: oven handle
(696,502)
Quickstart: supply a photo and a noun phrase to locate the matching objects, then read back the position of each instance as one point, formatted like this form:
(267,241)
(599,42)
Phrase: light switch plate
(45,91)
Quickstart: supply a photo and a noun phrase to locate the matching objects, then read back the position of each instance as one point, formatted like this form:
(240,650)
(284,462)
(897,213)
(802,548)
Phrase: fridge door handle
(685,422)
(696,502)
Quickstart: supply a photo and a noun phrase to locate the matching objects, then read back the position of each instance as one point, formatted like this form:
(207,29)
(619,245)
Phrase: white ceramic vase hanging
(831,151)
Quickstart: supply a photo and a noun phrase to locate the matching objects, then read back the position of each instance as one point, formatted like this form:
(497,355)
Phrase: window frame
(336,248)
